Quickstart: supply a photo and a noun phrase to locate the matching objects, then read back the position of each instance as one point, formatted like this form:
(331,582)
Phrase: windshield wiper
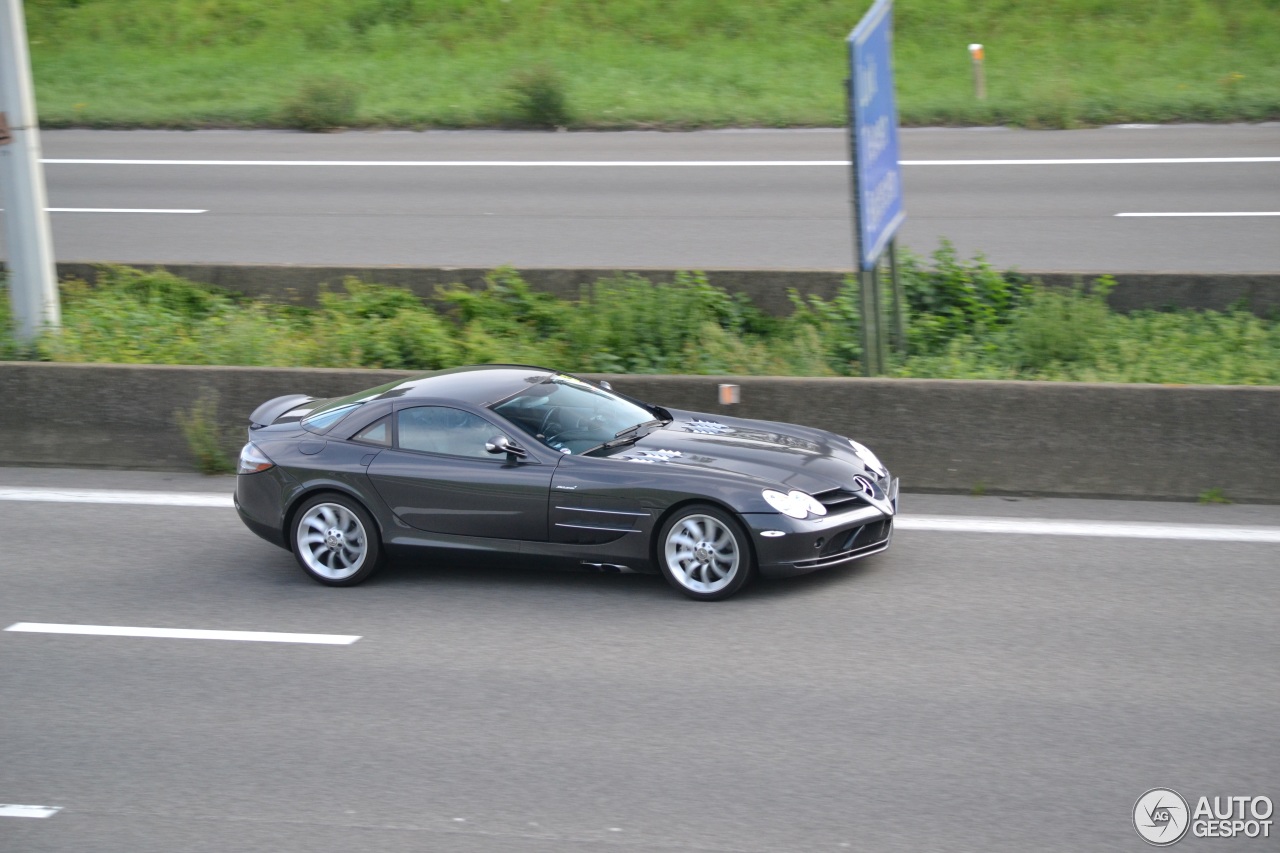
(629,435)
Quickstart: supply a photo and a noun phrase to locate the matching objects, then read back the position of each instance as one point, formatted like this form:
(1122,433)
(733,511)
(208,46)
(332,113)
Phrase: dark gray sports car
(523,462)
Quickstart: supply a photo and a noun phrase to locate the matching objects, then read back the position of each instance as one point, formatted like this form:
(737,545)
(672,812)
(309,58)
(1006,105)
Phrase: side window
(440,429)
(378,432)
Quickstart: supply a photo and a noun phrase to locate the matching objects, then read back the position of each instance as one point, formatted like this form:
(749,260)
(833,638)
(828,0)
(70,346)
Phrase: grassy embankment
(966,321)
(641,63)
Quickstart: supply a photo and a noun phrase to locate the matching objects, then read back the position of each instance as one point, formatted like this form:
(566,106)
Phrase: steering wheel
(552,428)
(549,424)
(572,435)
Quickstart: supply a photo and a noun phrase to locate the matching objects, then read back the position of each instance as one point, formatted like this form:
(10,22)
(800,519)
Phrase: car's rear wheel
(335,540)
(703,552)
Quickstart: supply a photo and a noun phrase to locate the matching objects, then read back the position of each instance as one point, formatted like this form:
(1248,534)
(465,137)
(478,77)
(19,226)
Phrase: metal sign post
(32,284)
(877,183)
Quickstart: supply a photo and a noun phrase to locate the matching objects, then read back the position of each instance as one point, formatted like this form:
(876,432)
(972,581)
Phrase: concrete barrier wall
(766,288)
(1043,438)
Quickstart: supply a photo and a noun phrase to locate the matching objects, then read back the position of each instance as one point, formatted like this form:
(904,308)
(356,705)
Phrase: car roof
(477,385)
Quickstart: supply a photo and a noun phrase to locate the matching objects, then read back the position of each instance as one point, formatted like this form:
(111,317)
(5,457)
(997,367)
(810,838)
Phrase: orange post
(977,53)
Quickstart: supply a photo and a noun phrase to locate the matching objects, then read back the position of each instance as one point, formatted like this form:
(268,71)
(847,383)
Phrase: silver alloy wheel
(702,553)
(332,541)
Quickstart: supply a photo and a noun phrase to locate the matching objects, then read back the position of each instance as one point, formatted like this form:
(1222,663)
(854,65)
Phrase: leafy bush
(199,426)
(954,298)
(537,98)
(1059,325)
(964,322)
(629,324)
(837,323)
(322,103)
(377,326)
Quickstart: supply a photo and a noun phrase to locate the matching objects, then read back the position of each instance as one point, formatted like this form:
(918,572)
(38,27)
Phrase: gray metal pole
(872,345)
(899,315)
(32,284)
(882,336)
(884,332)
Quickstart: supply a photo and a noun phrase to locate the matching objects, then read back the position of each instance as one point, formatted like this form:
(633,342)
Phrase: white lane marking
(1118,529)
(184,633)
(111,496)
(1211,213)
(15,810)
(1093,161)
(632,164)
(118,210)
(956,524)
(121,210)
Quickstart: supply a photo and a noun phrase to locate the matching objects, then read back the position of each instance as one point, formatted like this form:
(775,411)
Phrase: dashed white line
(122,210)
(183,633)
(112,496)
(658,164)
(1116,529)
(1211,213)
(119,210)
(15,810)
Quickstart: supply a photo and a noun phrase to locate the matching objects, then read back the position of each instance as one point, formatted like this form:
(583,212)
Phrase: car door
(439,478)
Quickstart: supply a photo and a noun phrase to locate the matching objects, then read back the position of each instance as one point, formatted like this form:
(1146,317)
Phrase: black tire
(335,540)
(704,553)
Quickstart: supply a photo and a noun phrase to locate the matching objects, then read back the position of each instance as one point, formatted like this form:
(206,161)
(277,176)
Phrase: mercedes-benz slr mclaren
(516,463)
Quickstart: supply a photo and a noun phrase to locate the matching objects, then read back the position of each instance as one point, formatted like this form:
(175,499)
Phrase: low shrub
(199,426)
(536,97)
(965,321)
(322,103)
(1059,326)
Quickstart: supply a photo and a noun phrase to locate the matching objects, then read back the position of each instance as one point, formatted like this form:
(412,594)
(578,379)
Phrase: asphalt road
(960,692)
(788,209)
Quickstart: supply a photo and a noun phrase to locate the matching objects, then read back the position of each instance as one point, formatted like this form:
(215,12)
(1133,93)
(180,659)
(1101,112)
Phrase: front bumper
(787,546)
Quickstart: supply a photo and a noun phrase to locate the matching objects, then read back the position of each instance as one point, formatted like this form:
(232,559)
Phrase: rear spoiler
(272,409)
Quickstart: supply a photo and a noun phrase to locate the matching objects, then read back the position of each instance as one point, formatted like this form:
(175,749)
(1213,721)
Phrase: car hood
(797,457)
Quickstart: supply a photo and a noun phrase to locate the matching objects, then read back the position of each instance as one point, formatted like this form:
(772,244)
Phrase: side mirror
(502,444)
(605,385)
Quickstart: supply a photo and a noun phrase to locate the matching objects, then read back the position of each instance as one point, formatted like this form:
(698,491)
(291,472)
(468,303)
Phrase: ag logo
(1161,816)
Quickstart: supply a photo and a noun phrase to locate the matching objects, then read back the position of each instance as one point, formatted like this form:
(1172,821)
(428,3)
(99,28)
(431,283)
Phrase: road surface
(1034,200)
(963,691)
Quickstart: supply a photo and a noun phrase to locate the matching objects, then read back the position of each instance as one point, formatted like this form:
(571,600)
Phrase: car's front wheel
(335,540)
(703,552)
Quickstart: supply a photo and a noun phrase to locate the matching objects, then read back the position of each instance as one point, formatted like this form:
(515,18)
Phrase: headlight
(795,503)
(253,460)
(868,458)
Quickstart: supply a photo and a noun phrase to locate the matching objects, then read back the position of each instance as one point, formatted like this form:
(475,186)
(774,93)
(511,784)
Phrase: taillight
(253,460)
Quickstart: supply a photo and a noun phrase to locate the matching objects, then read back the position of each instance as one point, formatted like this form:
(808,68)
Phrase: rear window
(322,419)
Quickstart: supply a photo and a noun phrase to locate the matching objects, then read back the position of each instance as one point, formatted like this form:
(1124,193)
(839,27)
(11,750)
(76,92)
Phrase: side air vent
(836,500)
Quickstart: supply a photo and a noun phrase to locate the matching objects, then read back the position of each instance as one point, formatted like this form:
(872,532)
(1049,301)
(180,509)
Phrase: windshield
(569,415)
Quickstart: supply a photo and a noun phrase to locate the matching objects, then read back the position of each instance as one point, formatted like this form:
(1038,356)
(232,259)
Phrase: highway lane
(960,692)
(1055,216)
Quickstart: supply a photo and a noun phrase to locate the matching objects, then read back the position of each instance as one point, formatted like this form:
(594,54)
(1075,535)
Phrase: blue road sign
(877,184)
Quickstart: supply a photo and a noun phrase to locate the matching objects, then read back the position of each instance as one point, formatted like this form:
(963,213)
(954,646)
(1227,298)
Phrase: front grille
(876,531)
(860,542)
(857,538)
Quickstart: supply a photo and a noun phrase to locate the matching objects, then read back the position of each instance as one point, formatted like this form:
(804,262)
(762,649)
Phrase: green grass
(646,63)
(965,321)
